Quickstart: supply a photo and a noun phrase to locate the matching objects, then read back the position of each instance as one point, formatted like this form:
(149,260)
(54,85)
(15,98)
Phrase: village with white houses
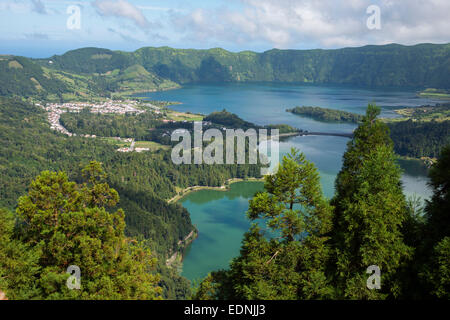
(54,111)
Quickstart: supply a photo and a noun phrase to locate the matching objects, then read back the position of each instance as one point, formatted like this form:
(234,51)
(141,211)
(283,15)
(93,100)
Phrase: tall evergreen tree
(370,209)
(437,231)
(18,262)
(69,224)
(290,265)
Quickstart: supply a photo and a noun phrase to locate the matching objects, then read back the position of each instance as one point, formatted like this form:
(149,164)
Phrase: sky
(42,28)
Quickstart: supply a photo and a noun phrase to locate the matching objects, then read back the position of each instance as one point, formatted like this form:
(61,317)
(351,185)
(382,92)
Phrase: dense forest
(113,125)
(150,127)
(21,76)
(321,249)
(78,199)
(317,248)
(326,115)
(59,222)
(420,138)
(144,180)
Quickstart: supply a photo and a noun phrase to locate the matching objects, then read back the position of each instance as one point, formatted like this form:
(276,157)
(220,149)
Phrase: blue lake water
(266,103)
(220,216)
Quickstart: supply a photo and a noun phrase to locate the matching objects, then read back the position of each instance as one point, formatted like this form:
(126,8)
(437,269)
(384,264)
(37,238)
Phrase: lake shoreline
(219,220)
(176,259)
(224,187)
(426,161)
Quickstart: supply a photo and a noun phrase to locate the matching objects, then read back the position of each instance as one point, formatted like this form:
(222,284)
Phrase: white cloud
(121,8)
(325,23)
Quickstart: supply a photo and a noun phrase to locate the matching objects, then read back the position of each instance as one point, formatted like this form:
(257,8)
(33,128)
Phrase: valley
(116,111)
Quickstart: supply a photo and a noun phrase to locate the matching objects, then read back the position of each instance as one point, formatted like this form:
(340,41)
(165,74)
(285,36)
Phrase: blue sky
(38,28)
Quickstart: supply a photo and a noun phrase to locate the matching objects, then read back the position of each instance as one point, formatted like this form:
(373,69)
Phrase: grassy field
(435,93)
(428,113)
(157,103)
(116,142)
(182,116)
(153,146)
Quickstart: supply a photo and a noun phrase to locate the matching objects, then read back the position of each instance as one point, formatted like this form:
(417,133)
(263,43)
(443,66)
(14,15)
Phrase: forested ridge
(143,180)
(22,76)
(92,72)
(423,65)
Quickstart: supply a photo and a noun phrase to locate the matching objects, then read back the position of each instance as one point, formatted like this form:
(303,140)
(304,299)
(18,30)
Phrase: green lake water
(220,215)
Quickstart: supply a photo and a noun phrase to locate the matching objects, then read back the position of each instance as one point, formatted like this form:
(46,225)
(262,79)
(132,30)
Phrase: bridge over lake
(334,134)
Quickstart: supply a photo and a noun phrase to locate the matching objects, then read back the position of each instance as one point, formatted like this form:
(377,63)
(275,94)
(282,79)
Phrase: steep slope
(137,79)
(75,75)
(424,65)
(21,76)
(93,71)
(28,146)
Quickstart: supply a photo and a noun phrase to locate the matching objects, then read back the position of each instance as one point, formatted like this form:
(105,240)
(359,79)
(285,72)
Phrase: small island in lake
(326,115)
(232,121)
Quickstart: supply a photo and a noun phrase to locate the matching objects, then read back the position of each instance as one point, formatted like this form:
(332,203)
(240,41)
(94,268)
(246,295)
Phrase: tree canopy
(62,223)
(288,260)
(303,246)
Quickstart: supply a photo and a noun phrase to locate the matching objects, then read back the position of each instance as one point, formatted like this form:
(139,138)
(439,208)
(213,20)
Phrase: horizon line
(237,52)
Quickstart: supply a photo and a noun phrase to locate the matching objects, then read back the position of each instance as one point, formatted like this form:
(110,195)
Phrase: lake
(266,103)
(220,215)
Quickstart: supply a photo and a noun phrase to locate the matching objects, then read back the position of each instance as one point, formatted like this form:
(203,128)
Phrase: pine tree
(291,264)
(370,209)
(18,262)
(71,224)
(294,207)
(437,231)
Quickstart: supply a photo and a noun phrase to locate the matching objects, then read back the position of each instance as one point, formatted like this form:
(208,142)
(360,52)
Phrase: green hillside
(423,65)
(50,80)
(89,60)
(144,181)
(392,65)
(92,72)
(137,79)
(21,76)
